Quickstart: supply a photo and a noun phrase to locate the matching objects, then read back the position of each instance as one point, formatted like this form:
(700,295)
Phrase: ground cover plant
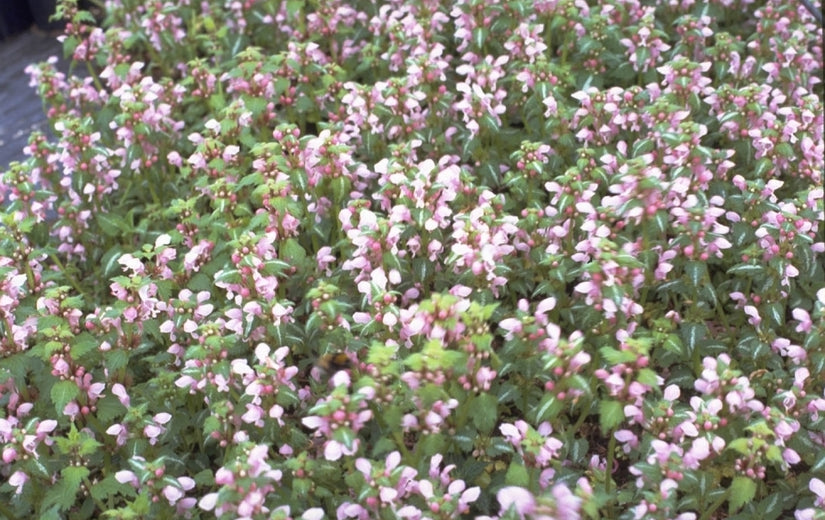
(492,259)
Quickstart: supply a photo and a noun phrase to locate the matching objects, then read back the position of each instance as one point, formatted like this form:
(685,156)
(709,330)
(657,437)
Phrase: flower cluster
(348,259)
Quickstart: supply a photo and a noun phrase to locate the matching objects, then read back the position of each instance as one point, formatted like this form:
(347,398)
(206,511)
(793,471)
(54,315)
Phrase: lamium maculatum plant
(422,260)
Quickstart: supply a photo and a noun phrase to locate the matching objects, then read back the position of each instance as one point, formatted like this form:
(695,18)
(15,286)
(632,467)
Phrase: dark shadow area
(21,110)
(17,16)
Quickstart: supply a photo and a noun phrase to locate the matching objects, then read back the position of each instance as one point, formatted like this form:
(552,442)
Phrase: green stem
(91,419)
(399,441)
(6,512)
(100,505)
(9,332)
(716,505)
(721,315)
(608,479)
(153,193)
(63,270)
(30,276)
(582,417)
(95,77)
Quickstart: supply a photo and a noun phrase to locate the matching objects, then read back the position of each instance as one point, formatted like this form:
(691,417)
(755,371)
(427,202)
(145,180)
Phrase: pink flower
(817,487)
(127,477)
(17,480)
(567,504)
(753,314)
(518,499)
(804,319)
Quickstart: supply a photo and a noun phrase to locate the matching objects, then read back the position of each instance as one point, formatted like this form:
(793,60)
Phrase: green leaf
(771,507)
(673,344)
(74,475)
(479,35)
(201,282)
(611,414)
(109,407)
(83,344)
(517,475)
(642,146)
(291,251)
(739,445)
(345,436)
(548,409)
(742,491)
(62,393)
(340,189)
(111,224)
(116,359)
(109,262)
(696,271)
(819,465)
(578,450)
(692,334)
(660,221)
(775,312)
(485,412)
(63,493)
(763,165)
(108,487)
(747,270)
(648,377)
(617,357)
(490,122)
(774,454)
(432,444)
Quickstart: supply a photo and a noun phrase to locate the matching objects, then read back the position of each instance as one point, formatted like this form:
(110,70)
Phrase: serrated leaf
(64,491)
(774,454)
(485,412)
(432,444)
(74,475)
(648,377)
(62,393)
(611,414)
(742,491)
(109,407)
(111,224)
(291,251)
(116,359)
(83,344)
(517,475)
(109,486)
(739,445)
(617,357)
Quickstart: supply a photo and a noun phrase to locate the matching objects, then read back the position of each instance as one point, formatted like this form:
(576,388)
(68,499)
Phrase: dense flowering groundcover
(567,257)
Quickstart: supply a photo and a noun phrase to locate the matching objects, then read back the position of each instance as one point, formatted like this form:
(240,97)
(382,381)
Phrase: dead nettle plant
(419,260)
